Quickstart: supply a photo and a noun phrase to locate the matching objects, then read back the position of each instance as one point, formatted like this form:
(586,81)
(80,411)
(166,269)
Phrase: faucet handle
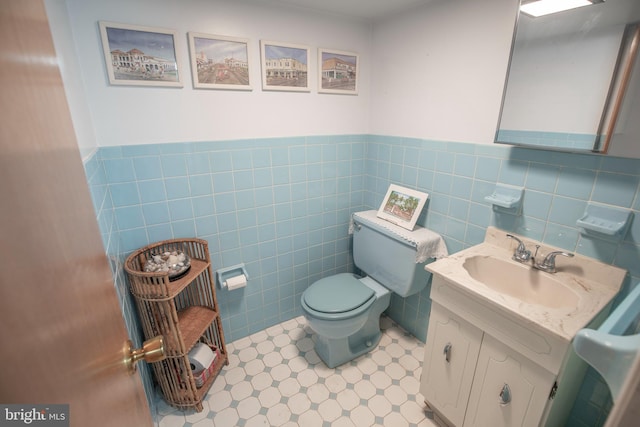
(521,253)
(549,262)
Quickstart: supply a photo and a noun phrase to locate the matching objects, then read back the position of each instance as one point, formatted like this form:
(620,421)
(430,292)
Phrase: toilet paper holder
(227,273)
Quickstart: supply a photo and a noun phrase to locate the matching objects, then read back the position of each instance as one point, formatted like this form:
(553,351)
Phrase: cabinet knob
(152,351)
(505,395)
(447,352)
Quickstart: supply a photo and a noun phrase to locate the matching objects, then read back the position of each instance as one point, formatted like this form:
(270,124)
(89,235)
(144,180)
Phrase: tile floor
(275,378)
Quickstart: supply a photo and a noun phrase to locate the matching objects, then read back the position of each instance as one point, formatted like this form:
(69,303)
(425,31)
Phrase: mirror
(567,77)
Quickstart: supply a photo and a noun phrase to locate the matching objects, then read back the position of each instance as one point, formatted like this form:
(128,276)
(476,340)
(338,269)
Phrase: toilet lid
(337,294)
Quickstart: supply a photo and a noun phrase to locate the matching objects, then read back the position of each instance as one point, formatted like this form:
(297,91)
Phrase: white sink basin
(519,281)
(483,279)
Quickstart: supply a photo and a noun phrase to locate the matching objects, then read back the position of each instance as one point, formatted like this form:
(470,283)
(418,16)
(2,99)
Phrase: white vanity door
(508,389)
(450,356)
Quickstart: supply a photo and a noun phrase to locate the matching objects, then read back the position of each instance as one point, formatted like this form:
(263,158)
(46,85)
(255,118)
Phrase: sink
(520,281)
(512,325)
(535,312)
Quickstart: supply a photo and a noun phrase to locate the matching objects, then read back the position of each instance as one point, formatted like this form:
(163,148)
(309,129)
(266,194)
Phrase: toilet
(344,309)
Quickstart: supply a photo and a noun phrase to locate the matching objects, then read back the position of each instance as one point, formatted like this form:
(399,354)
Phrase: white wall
(439,70)
(125,115)
(71,75)
(433,72)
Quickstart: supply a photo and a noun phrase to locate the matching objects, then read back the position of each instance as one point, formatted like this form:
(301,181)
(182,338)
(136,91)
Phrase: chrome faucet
(521,254)
(549,262)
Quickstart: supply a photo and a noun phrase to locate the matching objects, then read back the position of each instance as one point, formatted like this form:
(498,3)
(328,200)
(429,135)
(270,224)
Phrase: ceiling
(369,10)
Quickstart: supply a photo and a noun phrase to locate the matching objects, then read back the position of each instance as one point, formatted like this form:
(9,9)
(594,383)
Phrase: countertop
(595,283)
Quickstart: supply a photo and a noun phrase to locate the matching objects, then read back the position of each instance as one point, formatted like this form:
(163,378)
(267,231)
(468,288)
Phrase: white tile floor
(275,378)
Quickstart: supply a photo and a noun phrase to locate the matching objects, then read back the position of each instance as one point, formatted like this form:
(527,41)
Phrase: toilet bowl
(344,309)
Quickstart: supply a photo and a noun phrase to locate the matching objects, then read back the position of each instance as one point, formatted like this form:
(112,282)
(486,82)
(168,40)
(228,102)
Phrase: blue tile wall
(558,187)
(106,197)
(282,205)
(458,176)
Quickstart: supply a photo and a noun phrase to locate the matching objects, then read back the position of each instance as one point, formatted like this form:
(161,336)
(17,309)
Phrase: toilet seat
(339,296)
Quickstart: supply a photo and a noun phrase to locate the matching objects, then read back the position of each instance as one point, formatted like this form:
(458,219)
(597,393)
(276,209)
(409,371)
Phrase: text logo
(34,415)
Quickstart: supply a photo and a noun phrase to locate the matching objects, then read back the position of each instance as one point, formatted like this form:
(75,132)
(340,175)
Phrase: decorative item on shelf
(233,277)
(175,263)
(605,221)
(507,199)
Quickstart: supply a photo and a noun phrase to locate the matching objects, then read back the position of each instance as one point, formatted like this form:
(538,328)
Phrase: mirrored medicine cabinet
(573,82)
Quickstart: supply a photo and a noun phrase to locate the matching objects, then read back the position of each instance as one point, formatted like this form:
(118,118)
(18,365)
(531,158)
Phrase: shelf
(157,287)
(184,312)
(194,321)
(197,267)
(218,364)
(183,398)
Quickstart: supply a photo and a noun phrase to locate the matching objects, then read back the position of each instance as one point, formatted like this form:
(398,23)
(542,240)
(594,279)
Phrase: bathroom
(271,178)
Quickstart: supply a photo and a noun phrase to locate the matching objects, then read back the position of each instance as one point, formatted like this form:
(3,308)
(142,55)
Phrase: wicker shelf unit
(184,311)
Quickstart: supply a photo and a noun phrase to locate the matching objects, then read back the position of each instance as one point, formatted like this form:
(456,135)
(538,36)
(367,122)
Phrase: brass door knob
(152,351)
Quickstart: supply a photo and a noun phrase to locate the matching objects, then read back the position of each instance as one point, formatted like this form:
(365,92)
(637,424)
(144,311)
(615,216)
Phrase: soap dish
(605,220)
(506,197)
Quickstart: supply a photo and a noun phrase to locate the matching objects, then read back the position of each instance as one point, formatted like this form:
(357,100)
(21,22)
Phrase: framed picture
(284,66)
(402,206)
(219,62)
(140,56)
(338,72)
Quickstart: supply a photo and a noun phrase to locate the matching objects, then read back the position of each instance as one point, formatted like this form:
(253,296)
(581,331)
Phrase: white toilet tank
(387,258)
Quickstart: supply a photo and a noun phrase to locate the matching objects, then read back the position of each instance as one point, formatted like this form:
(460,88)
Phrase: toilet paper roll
(236,282)
(200,357)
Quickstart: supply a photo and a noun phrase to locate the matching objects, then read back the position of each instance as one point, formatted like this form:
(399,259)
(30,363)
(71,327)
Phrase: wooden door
(61,327)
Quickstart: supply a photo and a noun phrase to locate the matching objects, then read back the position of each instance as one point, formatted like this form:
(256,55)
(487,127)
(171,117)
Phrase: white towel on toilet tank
(429,244)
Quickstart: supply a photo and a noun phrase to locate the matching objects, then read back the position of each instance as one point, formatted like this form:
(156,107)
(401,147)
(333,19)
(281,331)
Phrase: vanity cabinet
(498,349)
(184,310)
(483,369)
(472,379)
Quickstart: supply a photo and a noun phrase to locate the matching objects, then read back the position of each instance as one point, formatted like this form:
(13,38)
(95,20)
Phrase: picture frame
(219,62)
(140,56)
(285,66)
(402,206)
(337,72)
